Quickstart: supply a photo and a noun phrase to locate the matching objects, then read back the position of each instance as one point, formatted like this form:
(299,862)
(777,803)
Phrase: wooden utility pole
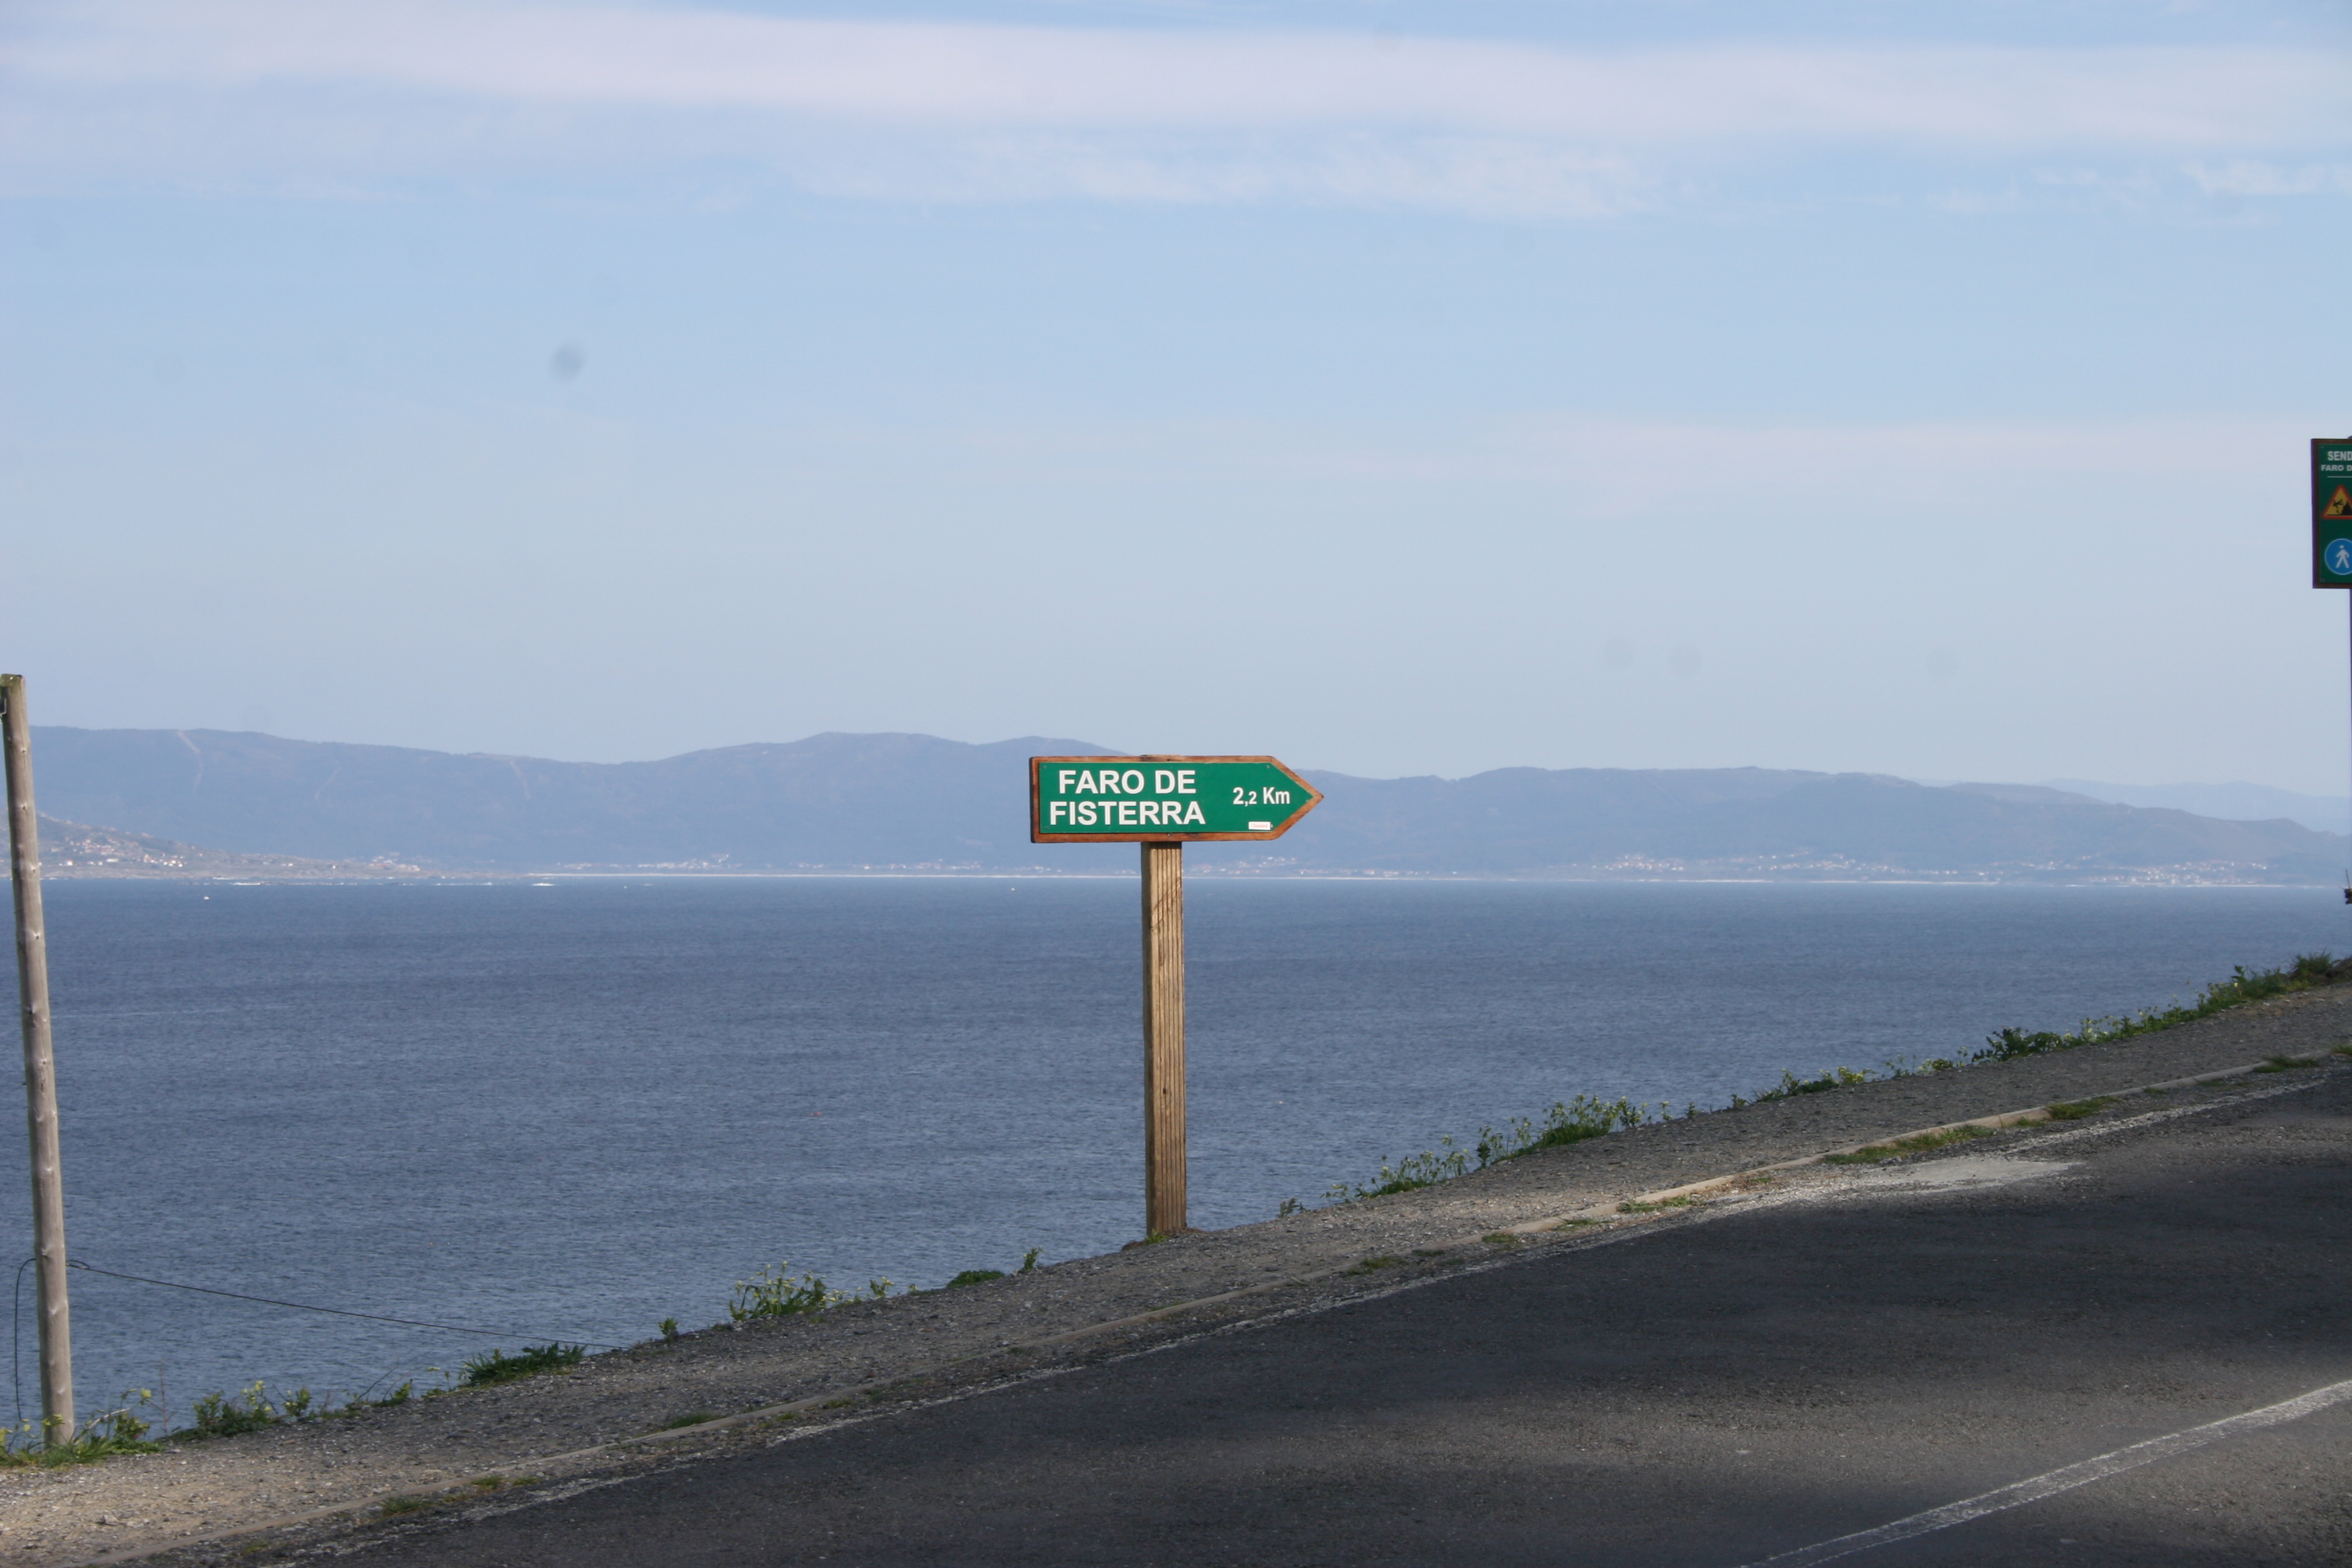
(1163,1040)
(40,1069)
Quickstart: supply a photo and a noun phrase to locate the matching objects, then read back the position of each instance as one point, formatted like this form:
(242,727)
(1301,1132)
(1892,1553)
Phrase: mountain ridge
(839,801)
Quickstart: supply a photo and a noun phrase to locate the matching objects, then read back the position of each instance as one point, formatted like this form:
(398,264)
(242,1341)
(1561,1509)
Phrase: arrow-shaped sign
(1120,800)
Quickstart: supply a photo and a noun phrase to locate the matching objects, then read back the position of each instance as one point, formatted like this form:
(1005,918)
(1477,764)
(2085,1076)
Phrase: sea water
(571,1111)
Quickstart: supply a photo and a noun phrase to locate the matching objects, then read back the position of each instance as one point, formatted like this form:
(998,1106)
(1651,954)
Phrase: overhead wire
(17,1318)
(333,1311)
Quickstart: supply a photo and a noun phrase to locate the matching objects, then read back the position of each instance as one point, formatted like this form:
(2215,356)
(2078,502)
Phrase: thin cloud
(987,112)
(929,74)
(2249,178)
(1488,177)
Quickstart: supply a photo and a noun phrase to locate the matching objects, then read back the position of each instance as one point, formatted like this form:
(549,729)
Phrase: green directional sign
(1097,800)
(2331,514)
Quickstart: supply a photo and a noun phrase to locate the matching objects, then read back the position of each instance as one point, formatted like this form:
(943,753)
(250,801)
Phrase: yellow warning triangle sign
(2339,504)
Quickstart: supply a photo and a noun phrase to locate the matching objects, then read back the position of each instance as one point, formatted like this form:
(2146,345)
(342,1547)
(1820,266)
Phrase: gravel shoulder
(298,1487)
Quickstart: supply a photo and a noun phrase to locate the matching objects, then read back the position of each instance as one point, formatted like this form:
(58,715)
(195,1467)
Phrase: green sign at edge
(2331,512)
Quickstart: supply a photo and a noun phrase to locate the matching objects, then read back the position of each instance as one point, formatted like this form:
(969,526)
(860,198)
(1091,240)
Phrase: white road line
(2033,1489)
(2149,1119)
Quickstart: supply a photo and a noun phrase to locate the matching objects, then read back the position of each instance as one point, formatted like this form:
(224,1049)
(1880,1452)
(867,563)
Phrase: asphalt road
(1717,1390)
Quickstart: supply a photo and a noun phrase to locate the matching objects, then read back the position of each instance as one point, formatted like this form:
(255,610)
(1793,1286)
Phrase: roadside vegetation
(773,1292)
(250,1409)
(1568,1122)
(102,1438)
(2306,971)
(125,1431)
(483,1371)
(1573,1121)
(983,1276)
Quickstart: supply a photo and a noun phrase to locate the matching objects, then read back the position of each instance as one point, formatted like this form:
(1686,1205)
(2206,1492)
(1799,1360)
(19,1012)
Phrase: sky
(1393,387)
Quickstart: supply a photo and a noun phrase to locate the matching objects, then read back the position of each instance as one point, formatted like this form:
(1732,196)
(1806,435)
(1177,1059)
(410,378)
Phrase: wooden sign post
(40,1069)
(1164,1040)
(1161,802)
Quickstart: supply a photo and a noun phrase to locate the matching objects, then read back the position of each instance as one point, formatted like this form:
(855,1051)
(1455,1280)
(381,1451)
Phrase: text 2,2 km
(1093,800)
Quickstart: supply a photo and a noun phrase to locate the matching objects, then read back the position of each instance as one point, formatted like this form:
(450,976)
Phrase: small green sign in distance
(2331,513)
(1121,800)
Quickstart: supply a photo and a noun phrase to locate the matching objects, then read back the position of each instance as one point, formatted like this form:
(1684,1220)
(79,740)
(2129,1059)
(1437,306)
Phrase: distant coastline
(162,861)
(240,806)
(81,851)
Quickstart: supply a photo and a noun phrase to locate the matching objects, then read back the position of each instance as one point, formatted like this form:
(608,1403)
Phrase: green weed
(1502,1239)
(403,1502)
(2075,1110)
(773,1292)
(1374,1265)
(692,1419)
(226,1416)
(1790,1085)
(2305,970)
(1289,1206)
(482,1371)
(356,1405)
(1631,1207)
(2244,985)
(101,1437)
(1425,1169)
(2011,1044)
(668,1327)
(2282,1064)
(1568,1122)
(981,1276)
(1575,1224)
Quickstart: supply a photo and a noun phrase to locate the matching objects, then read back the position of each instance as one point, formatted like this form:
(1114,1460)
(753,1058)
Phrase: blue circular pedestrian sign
(2338,557)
